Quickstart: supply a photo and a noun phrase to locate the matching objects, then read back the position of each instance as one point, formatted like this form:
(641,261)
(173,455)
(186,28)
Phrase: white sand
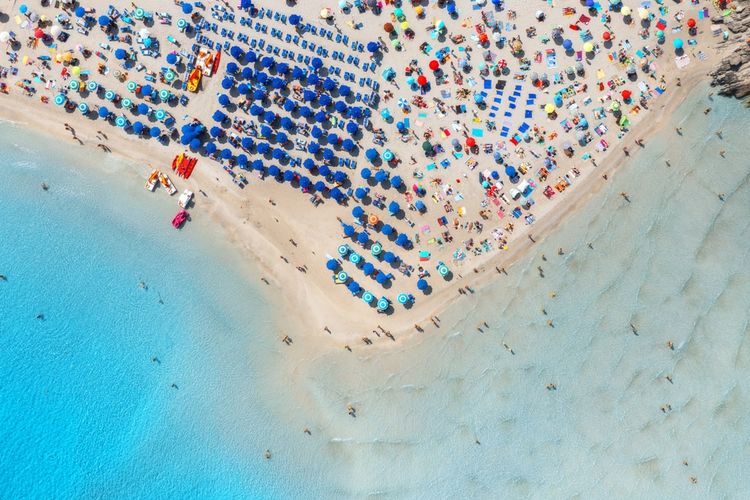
(265,230)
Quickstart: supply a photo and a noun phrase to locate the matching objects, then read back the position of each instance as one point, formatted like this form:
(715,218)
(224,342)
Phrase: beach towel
(424,255)
(477,132)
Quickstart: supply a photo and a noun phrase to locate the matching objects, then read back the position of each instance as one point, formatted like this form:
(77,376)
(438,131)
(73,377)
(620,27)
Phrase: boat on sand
(153,178)
(179,219)
(185,198)
(167,183)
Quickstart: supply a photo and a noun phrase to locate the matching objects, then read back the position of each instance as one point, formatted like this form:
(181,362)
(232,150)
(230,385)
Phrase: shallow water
(86,413)
(673,262)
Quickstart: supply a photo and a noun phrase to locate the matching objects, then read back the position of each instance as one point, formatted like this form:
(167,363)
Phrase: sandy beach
(291,243)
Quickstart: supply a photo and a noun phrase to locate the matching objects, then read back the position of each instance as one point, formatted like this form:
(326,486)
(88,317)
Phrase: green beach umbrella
(131,86)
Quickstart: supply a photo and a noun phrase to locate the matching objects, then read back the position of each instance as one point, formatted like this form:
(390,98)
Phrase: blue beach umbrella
(305,112)
(247,72)
(215,132)
(263,147)
(396,181)
(257,165)
(309,163)
(274,171)
(352,128)
(243,88)
(362,238)
(195,144)
(353,287)
(227,83)
(324,170)
(219,116)
(138,128)
(422,284)
(320,186)
(288,175)
(344,90)
(368,268)
(232,68)
(320,116)
(294,19)
(241,159)
(121,54)
(347,145)
(389,257)
(371,154)
(154,132)
(325,99)
(358,212)
(211,148)
(289,105)
(317,132)
(282,68)
(317,63)
(340,106)
(224,100)
(287,123)
(171,58)
(226,153)
(103,112)
(269,116)
(104,20)
(373,47)
(329,84)
(360,192)
(365,173)
(278,153)
(332,264)
(305,182)
(79,12)
(387,229)
(394,208)
(251,56)
(247,142)
(187,8)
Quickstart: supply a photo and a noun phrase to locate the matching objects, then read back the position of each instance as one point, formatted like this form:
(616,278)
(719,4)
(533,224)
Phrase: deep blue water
(84,411)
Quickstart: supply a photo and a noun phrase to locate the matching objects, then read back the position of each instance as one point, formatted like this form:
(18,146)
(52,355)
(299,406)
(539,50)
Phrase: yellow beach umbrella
(25,60)
(625,11)
(549,108)
(588,47)
(326,13)
(58,58)
(643,13)
(67,56)
(75,70)
(419,10)
(404,25)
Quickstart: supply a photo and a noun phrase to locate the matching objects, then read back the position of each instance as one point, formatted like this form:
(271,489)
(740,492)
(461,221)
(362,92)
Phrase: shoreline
(267,232)
(253,242)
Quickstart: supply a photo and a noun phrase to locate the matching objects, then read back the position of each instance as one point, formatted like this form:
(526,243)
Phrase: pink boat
(179,219)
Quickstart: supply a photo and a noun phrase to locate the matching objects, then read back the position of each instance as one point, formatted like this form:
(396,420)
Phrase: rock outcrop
(732,76)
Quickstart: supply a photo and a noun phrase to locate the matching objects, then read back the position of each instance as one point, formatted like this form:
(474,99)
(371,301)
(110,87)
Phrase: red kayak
(179,219)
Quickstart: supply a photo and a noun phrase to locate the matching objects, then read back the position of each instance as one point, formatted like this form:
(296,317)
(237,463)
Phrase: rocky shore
(733,73)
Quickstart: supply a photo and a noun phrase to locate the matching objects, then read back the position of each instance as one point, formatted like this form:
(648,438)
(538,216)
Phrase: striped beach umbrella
(60,99)
(443,270)
(368,297)
(92,86)
(109,95)
(139,13)
(127,103)
(343,250)
(131,86)
(160,114)
(83,107)
(164,94)
(402,298)
(342,276)
(354,258)
(376,248)
(383,304)
(121,121)
(74,85)
(181,24)
(169,76)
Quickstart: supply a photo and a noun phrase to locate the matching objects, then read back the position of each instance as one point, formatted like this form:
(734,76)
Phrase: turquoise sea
(85,412)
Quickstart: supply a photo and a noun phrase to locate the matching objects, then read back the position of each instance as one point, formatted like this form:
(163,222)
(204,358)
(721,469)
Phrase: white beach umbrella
(144,33)
(55,30)
(4,36)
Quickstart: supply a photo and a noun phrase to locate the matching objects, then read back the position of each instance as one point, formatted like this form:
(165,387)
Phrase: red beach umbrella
(471,142)
(422,80)
(38,33)
(606,36)
(691,23)
(626,94)
(434,65)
